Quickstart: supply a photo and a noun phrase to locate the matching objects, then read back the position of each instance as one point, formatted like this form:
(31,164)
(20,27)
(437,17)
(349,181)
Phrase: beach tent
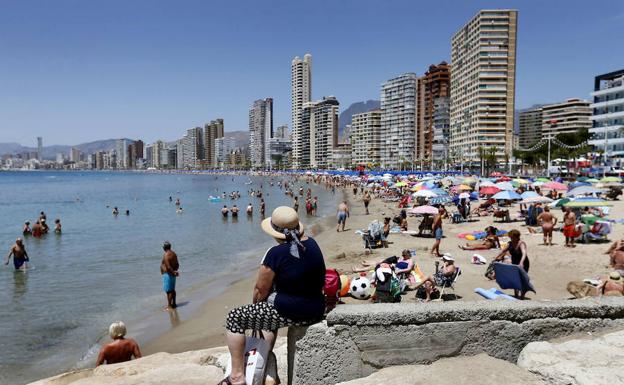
(507,195)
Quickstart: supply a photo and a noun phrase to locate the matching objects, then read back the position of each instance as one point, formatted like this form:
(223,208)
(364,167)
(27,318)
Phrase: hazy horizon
(78,71)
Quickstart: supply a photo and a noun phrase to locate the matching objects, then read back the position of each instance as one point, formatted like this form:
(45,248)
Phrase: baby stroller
(373,235)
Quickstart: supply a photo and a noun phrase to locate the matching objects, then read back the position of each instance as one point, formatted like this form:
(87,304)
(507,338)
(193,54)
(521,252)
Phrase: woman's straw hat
(283,217)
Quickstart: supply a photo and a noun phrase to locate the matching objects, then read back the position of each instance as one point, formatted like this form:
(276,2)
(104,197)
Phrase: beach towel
(512,277)
(493,293)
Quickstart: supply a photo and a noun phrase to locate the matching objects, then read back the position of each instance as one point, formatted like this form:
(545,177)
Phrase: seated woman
(289,289)
(442,277)
(403,224)
(386,232)
(490,241)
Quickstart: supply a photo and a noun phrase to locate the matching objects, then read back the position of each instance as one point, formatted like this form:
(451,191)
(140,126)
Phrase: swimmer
(262,207)
(57,226)
(234,211)
(36,230)
(250,209)
(127,212)
(179,210)
(225,211)
(115,211)
(19,254)
(26,230)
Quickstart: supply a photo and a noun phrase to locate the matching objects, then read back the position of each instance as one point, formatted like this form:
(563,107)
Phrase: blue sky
(75,70)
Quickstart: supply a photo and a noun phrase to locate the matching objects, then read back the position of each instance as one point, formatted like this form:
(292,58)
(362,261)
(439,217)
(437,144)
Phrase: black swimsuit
(516,257)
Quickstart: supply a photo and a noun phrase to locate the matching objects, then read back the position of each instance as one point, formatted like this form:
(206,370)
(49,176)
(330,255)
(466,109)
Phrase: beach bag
(331,289)
(257,352)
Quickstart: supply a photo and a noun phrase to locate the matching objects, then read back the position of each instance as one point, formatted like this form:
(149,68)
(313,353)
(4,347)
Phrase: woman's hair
(514,234)
(117,330)
(491,230)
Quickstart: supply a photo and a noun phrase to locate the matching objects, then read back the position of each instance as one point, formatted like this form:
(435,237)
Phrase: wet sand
(552,267)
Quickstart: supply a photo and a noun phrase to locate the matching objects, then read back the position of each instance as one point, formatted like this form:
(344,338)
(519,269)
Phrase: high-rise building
(435,83)
(121,149)
(260,131)
(441,133)
(180,160)
(608,114)
(135,152)
(365,138)
(281,132)
(74,155)
(573,115)
(223,147)
(279,148)
(483,75)
(318,134)
(301,93)
(39,148)
(193,148)
(398,121)
(529,127)
(212,131)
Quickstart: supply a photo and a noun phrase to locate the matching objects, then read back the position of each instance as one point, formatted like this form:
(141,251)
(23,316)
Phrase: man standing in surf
(169,270)
(19,254)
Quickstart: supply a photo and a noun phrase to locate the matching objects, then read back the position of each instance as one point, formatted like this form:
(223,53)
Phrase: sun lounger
(493,293)
(514,277)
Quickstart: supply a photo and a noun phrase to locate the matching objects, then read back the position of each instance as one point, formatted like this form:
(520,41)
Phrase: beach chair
(514,277)
(426,225)
(373,235)
(451,285)
(599,232)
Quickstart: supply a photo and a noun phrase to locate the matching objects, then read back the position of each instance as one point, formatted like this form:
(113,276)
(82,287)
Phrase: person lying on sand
(611,285)
(490,241)
(616,254)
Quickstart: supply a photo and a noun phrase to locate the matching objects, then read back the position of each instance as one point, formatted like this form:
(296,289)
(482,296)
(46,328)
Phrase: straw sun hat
(283,217)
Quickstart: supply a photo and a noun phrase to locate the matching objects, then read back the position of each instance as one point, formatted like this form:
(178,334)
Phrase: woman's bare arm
(263,284)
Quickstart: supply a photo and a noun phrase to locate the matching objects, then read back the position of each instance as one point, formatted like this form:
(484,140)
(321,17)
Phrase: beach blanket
(493,293)
(512,277)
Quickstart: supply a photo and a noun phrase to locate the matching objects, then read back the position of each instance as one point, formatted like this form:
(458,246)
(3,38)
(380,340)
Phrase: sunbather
(490,241)
(616,254)
(442,277)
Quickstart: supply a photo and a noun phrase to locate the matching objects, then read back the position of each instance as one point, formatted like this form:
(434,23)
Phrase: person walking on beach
(342,215)
(121,349)
(169,270)
(366,199)
(569,223)
(437,232)
(19,254)
(548,222)
(288,291)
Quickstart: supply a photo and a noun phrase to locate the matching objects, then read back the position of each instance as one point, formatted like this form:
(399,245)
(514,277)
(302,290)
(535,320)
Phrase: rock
(480,369)
(592,360)
(188,368)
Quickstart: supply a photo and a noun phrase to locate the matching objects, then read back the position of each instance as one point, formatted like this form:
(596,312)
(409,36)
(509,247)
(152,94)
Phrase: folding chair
(451,285)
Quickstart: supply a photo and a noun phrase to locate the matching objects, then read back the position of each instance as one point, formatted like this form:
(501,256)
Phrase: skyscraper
(573,115)
(529,126)
(193,148)
(435,83)
(121,149)
(483,75)
(608,114)
(260,132)
(318,133)
(39,148)
(366,138)
(212,131)
(281,132)
(441,125)
(301,93)
(398,121)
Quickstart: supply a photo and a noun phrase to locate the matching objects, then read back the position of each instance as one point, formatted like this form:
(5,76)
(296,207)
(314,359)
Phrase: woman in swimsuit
(517,250)
(548,222)
(490,241)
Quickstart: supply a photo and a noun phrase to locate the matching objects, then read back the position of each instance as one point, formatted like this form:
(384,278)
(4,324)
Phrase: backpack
(388,290)
(331,289)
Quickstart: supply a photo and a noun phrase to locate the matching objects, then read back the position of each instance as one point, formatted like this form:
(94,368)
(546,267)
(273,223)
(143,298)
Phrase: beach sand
(552,267)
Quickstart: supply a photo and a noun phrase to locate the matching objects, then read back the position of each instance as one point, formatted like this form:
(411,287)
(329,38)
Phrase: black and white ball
(360,288)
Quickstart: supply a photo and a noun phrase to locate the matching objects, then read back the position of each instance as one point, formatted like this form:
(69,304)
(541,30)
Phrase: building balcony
(607,91)
(609,116)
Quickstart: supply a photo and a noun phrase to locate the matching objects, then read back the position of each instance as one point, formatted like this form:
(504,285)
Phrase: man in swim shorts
(225,211)
(234,211)
(169,270)
(569,231)
(437,232)
(19,254)
(342,214)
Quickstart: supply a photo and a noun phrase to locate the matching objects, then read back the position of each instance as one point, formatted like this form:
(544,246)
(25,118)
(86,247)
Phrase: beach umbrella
(582,179)
(584,190)
(400,184)
(521,181)
(536,199)
(420,210)
(555,186)
(469,180)
(608,179)
(440,199)
(592,180)
(464,187)
(486,183)
(424,194)
(503,179)
(529,194)
(593,203)
(578,184)
(489,190)
(504,186)
(507,195)
(542,179)
(495,174)
(439,191)
(464,195)
(538,184)
(559,202)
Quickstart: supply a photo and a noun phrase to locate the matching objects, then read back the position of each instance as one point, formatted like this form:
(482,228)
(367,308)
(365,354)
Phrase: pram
(373,235)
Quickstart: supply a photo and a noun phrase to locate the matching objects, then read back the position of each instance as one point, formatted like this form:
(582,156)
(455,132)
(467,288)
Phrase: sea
(104,268)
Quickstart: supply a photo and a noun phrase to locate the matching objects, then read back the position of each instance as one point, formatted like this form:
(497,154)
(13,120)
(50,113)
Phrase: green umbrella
(592,180)
(610,179)
(582,179)
(596,203)
(542,179)
(561,202)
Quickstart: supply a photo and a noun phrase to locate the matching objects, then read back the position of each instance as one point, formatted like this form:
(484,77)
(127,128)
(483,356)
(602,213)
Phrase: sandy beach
(552,267)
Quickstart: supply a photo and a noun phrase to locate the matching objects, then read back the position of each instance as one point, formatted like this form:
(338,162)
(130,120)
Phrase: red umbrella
(555,186)
(495,174)
(503,179)
(489,190)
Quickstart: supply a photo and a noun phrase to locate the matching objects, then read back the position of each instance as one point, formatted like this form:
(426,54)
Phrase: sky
(75,71)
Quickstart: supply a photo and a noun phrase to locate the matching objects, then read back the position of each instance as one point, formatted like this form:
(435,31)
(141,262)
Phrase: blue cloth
(438,233)
(401,265)
(169,281)
(342,217)
(19,262)
(510,276)
(299,282)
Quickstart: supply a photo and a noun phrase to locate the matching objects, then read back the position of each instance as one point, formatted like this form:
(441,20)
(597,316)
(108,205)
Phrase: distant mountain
(355,108)
(241,137)
(49,152)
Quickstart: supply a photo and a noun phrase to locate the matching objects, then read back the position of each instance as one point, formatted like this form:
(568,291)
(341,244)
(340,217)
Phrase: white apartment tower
(318,133)
(301,93)
(483,74)
(260,132)
(398,121)
(365,138)
(608,114)
(573,115)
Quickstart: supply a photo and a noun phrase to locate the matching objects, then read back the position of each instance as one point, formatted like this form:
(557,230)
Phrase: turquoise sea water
(105,268)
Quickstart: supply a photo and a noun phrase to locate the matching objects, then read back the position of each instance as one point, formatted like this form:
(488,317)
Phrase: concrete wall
(357,340)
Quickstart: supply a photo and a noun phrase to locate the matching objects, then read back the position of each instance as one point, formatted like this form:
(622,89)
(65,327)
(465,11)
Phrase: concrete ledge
(357,340)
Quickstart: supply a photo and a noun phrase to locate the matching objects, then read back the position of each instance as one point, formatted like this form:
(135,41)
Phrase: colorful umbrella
(542,179)
(440,199)
(555,186)
(420,210)
(489,190)
(536,199)
(464,195)
(521,181)
(595,203)
(504,179)
(584,190)
(507,195)
(504,186)
(529,194)
(464,187)
(424,194)
(400,184)
(608,179)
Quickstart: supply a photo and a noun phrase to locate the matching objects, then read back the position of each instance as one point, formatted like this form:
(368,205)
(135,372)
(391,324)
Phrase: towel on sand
(512,277)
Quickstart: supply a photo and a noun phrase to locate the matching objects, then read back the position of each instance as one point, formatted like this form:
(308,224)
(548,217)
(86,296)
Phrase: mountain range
(355,108)
(49,152)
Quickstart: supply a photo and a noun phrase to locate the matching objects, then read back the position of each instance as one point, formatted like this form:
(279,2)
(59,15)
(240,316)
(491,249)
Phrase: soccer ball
(360,288)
